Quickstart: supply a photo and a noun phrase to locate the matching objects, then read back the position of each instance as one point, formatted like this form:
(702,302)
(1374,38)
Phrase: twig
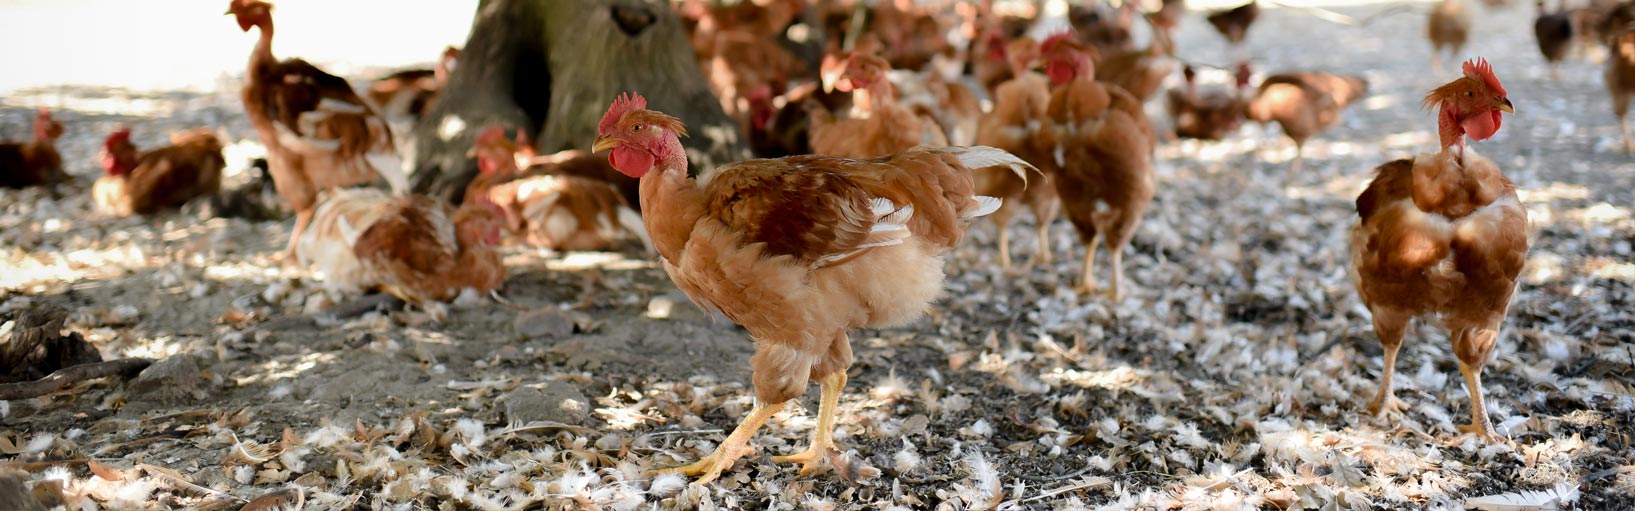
(71,375)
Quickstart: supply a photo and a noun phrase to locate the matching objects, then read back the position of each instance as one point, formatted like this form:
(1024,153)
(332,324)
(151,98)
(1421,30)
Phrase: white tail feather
(899,217)
(390,166)
(985,205)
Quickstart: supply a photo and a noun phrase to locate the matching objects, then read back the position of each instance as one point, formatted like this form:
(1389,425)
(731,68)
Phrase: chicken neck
(671,202)
(262,56)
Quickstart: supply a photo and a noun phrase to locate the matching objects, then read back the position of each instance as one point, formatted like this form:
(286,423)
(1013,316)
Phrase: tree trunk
(552,67)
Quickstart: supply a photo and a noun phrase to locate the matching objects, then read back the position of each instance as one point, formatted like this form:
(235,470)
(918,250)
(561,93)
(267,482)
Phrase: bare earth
(1232,375)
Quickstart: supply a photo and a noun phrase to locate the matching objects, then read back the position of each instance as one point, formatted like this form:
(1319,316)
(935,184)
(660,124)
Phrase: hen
(1554,32)
(1211,115)
(1016,125)
(878,124)
(1449,27)
(799,251)
(35,162)
(423,251)
(319,134)
(547,209)
(1138,72)
(327,245)
(145,183)
(412,92)
(1619,74)
(1234,23)
(1104,152)
(1304,104)
(1443,237)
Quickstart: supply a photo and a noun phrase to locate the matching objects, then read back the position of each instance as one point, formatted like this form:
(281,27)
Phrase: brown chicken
(1619,74)
(878,125)
(327,245)
(1234,23)
(145,183)
(1554,33)
(1101,26)
(1104,148)
(1016,125)
(1211,115)
(319,134)
(35,162)
(951,105)
(425,252)
(412,92)
(1443,237)
(1167,17)
(546,209)
(1138,72)
(741,62)
(1304,104)
(799,251)
(990,64)
(1449,27)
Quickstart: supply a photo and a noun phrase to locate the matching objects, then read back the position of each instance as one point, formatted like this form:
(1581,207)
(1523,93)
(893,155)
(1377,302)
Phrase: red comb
(491,135)
(1055,39)
(45,112)
(625,103)
(1479,69)
(123,135)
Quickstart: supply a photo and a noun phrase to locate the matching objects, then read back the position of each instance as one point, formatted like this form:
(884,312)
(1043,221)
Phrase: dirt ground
(1232,374)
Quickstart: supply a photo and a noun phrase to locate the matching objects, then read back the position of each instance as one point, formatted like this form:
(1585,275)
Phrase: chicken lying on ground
(878,125)
(327,245)
(799,251)
(1443,236)
(35,162)
(1210,115)
(1304,104)
(1017,125)
(425,252)
(139,183)
(412,92)
(1104,152)
(319,134)
(547,209)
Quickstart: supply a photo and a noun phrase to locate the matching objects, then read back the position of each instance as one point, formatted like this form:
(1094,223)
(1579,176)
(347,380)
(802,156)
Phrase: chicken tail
(981,157)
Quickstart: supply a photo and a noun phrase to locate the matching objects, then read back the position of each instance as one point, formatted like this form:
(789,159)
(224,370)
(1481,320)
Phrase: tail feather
(985,205)
(979,157)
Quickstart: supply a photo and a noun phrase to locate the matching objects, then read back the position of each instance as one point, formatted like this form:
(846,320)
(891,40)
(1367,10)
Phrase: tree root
(71,375)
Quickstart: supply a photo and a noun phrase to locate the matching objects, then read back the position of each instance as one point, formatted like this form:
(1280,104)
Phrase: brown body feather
(421,251)
(165,178)
(35,162)
(1018,126)
(1105,179)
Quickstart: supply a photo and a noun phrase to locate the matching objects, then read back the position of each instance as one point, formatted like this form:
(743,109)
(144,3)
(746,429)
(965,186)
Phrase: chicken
(1449,27)
(327,245)
(1167,17)
(990,64)
(1104,28)
(1208,116)
(424,253)
(1104,148)
(412,92)
(911,36)
(168,177)
(1016,125)
(878,125)
(799,251)
(554,211)
(35,162)
(777,130)
(952,106)
(1141,72)
(1304,104)
(1234,23)
(740,63)
(1554,32)
(319,134)
(1620,75)
(1444,237)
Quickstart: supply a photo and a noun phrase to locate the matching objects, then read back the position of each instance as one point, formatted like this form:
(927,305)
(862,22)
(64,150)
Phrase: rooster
(1104,154)
(421,250)
(35,162)
(1016,125)
(319,134)
(799,251)
(1443,236)
(1304,104)
(145,183)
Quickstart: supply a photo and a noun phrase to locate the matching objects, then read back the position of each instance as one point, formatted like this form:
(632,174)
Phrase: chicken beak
(604,143)
(1506,107)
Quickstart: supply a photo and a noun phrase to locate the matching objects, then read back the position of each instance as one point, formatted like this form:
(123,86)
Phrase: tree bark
(552,67)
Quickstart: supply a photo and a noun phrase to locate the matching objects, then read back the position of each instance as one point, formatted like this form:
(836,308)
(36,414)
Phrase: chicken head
(1065,58)
(250,13)
(639,138)
(1470,105)
(119,155)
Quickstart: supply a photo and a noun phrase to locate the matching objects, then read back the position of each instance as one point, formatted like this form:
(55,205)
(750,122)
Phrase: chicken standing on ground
(1449,27)
(1304,104)
(145,183)
(1104,156)
(1211,115)
(799,251)
(1620,75)
(1443,236)
(878,126)
(1554,32)
(35,162)
(1017,125)
(319,134)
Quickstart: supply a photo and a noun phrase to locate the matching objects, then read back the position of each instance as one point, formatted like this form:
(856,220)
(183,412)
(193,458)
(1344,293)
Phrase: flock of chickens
(881,157)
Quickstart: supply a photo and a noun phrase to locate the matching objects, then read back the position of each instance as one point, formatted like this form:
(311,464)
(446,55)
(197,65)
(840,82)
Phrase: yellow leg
(1044,255)
(1118,273)
(1087,282)
(735,446)
(1479,425)
(823,438)
(1004,247)
(302,218)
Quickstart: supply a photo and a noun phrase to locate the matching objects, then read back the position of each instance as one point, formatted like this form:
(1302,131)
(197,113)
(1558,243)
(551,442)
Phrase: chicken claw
(810,459)
(1382,405)
(823,437)
(735,446)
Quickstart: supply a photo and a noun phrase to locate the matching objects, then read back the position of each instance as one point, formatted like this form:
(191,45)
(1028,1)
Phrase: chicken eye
(1470,94)
(635,128)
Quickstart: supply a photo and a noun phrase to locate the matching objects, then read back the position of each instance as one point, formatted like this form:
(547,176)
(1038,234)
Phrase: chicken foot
(302,218)
(1044,256)
(1389,326)
(823,437)
(1629,142)
(1004,246)
(1087,280)
(735,446)
(1472,347)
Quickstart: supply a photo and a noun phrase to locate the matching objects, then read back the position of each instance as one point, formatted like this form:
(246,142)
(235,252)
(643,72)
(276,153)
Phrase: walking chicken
(1443,236)
(799,251)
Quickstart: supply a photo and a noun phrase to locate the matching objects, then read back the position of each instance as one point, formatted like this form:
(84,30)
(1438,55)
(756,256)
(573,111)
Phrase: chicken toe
(735,446)
(823,437)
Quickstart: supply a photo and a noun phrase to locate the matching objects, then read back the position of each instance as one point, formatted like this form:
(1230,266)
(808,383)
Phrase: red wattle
(1481,127)
(631,161)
